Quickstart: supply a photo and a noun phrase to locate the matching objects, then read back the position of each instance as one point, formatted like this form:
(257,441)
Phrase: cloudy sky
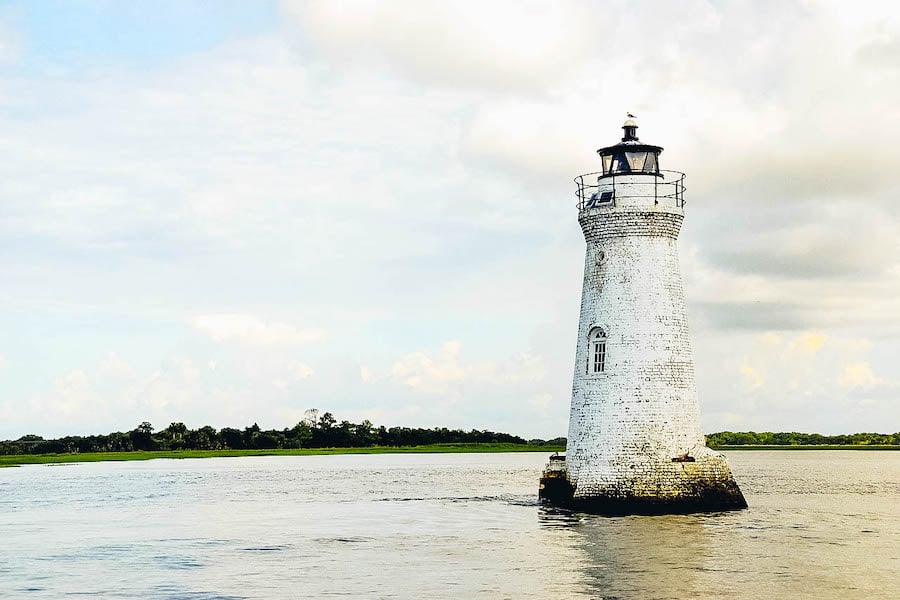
(225,212)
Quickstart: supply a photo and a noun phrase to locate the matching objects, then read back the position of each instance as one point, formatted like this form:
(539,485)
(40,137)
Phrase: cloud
(300,370)
(400,174)
(113,395)
(858,375)
(803,363)
(755,316)
(225,327)
(811,240)
(807,343)
(294,371)
(805,381)
(10,43)
(500,45)
(112,366)
(754,378)
(442,371)
(430,374)
(884,51)
(798,229)
(73,396)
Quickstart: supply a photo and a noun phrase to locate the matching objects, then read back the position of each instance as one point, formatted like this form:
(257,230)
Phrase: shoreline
(16,460)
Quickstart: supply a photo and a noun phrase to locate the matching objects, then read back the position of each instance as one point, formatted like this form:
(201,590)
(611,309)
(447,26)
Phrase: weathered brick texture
(627,423)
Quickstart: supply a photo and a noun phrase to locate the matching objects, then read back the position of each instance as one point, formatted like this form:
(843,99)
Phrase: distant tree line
(313,431)
(324,431)
(793,438)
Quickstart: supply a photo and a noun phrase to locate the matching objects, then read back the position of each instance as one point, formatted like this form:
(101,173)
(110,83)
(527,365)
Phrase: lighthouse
(635,443)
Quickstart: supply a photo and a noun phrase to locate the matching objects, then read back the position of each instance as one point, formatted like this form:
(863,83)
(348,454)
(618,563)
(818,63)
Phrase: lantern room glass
(607,164)
(636,160)
(624,162)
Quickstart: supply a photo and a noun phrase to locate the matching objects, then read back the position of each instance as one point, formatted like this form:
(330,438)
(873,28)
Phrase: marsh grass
(16,460)
(30,459)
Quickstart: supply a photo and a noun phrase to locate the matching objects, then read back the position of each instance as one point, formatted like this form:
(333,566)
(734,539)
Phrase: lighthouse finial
(630,128)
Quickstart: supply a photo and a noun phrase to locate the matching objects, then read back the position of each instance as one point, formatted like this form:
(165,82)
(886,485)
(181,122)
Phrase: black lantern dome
(630,156)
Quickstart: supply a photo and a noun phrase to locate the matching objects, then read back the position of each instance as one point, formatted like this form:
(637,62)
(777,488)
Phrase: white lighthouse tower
(635,443)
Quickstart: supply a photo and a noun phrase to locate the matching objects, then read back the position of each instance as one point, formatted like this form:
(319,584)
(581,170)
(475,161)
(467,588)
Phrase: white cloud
(299,370)
(431,374)
(10,43)
(500,44)
(114,367)
(541,402)
(807,343)
(74,396)
(803,365)
(292,372)
(442,372)
(400,174)
(793,381)
(251,329)
(114,395)
(753,377)
(858,375)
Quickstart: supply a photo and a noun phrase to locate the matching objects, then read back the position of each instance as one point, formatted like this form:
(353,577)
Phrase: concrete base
(705,485)
(714,500)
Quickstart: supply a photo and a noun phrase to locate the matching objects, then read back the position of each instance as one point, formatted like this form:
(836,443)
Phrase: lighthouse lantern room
(630,156)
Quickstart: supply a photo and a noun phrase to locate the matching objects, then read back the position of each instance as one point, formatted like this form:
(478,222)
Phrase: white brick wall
(627,423)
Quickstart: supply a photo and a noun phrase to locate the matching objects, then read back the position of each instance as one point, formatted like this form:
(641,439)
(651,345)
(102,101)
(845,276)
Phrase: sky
(228,212)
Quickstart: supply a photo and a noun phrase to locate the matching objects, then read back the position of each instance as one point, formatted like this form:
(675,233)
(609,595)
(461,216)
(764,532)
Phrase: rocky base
(704,485)
(555,489)
(713,500)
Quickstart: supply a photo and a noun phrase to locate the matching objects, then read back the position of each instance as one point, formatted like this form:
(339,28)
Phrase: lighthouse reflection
(668,556)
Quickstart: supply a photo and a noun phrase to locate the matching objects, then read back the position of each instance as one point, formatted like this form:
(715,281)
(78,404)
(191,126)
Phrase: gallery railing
(593,191)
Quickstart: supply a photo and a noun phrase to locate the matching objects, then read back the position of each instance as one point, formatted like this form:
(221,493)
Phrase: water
(820,525)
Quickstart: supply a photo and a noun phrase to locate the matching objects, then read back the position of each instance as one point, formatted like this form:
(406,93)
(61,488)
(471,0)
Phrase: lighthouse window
(607,161)
(650,165)
(636,160)
(597,355)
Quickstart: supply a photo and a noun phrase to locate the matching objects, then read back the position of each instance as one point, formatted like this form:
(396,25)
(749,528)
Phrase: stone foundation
(684,485)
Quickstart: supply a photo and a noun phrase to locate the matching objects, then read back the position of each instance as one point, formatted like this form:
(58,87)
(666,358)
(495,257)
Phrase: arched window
(596,351)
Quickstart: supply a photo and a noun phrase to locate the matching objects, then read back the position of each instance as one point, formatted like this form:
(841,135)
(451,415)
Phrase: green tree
(301,434)
(250,433)
(365,433)
(311,417)
(142,437)
(204,438)
(232,438)
(174,435)
(327,421)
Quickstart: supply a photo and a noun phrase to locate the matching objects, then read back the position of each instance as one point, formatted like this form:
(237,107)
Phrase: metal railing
(591,192)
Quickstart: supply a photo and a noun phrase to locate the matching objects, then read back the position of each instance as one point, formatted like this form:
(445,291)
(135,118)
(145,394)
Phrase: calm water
(821,525)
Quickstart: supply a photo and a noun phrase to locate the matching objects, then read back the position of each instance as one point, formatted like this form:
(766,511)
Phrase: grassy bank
(818,447)
(30,459)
